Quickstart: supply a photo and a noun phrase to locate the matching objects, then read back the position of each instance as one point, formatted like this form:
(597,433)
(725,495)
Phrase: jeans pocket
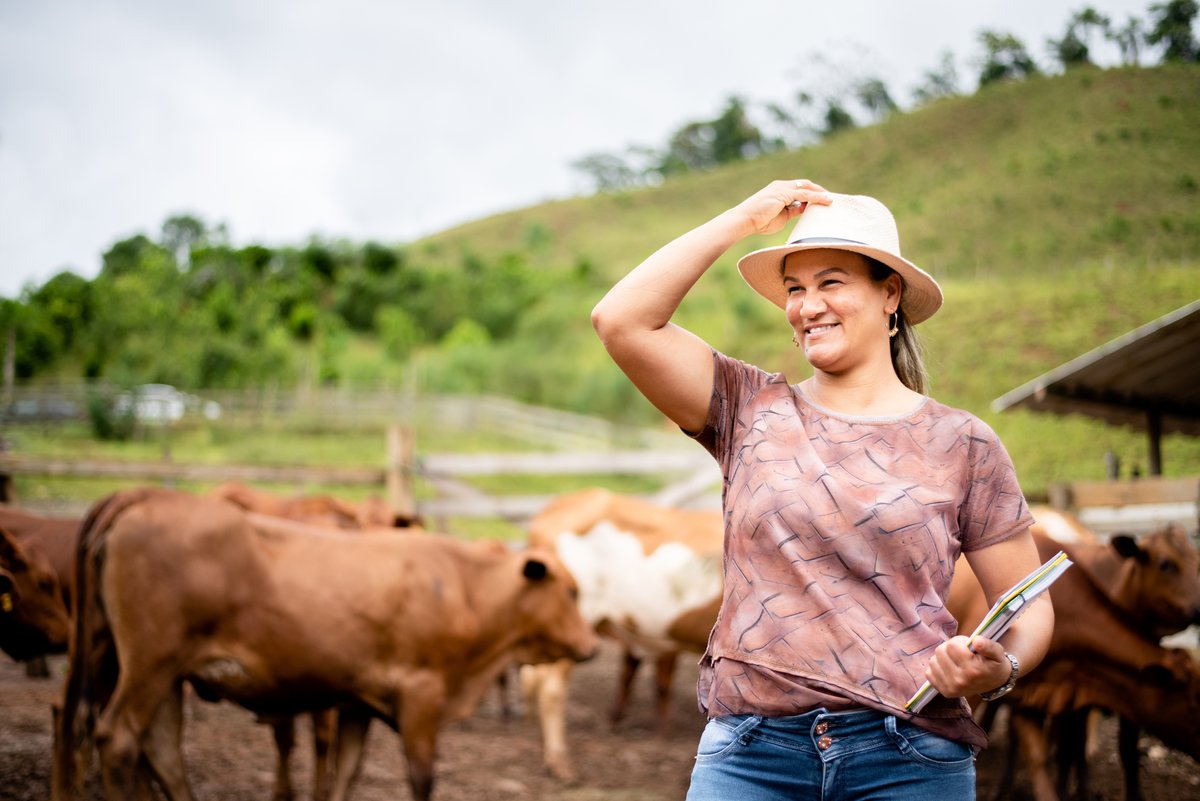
(930,749)
(725,735)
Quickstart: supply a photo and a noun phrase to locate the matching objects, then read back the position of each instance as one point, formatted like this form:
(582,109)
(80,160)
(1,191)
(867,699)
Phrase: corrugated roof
(1153,368)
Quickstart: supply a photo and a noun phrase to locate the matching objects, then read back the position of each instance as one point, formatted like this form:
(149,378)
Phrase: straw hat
(856,223)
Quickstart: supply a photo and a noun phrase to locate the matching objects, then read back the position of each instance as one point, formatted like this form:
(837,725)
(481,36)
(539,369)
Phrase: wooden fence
(1133,505)
(696,475)
(338,408)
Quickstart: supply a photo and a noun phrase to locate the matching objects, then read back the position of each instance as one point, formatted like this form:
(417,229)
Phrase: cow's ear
(10,552)
(535,569)
(1128,547)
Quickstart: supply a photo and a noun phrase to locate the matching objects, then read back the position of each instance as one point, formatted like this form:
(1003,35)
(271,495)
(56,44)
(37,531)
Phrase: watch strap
(992,695)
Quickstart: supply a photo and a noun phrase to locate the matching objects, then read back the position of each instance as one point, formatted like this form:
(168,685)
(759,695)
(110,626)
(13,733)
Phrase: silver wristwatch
(992,695)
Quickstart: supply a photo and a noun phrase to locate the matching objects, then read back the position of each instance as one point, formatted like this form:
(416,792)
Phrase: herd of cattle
(342,611)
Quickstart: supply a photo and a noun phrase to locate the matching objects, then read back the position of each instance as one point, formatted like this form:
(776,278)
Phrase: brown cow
(33,620)
(642,569)
(370,514)
(1091,627)
(51,540)
(281,618)
(316,509)
(1162,697)
(53,537)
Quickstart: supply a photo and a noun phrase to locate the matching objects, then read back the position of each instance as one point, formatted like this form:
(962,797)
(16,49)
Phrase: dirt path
(485,758)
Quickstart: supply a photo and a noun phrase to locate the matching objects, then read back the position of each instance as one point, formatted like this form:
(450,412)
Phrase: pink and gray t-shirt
(841,535)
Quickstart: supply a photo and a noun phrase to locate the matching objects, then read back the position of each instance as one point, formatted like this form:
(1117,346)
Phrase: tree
(873,94)
(1005,58)
(836,118)
(789,130)
(942,81)
(320,261)
(180,233)
(129,255)
(1172,27)
(1070,50)
(735,137)
(380,260)
(1129,40)
(607,172)
(66,300)
(704,144)
(1073,49)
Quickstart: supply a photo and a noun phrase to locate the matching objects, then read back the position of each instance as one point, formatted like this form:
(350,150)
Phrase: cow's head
(1161,578)
(549,611)
(33,619)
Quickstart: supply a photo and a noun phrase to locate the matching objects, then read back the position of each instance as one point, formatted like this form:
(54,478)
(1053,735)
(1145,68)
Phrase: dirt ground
(488,757)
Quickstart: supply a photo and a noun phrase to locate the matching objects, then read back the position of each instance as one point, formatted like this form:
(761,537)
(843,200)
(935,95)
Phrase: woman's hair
(907,357)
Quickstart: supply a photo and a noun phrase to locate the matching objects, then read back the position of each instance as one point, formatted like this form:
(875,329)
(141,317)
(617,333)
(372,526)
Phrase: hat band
(825,240)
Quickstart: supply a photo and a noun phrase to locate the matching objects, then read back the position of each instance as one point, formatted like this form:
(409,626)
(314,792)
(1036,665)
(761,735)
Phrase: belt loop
(889,725)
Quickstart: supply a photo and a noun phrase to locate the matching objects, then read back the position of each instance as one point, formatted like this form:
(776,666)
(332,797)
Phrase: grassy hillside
(1018,177)
(1058,213)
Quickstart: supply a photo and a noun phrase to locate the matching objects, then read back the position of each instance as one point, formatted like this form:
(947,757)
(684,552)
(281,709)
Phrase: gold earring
(795,341)
(895,329)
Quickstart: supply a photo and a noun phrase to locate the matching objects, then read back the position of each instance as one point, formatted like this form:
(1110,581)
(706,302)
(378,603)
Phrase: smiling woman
(847,497)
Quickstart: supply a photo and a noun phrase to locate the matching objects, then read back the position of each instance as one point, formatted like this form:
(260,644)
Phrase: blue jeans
(862,755)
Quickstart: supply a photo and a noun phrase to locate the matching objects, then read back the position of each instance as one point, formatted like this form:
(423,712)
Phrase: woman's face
(840,315)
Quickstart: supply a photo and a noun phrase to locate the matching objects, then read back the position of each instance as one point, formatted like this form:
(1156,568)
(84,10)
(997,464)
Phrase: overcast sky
(389,120)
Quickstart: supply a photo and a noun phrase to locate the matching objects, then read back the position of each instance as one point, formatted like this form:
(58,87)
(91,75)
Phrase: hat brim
(763,271)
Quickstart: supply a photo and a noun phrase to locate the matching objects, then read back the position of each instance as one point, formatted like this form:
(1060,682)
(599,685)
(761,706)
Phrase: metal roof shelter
(1148,378)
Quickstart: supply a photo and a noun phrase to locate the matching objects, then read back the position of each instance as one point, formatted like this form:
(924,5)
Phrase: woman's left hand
(958,671)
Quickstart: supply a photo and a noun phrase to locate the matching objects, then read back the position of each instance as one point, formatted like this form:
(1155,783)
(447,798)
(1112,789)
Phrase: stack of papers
(1006,610)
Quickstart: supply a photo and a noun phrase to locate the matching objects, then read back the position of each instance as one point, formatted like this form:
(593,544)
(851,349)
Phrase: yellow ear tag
(6,602)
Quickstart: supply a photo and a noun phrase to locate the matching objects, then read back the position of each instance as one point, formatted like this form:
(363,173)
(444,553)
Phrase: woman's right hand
(772,207)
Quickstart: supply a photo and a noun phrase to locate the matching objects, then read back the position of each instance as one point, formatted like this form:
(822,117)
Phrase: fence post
(399,470)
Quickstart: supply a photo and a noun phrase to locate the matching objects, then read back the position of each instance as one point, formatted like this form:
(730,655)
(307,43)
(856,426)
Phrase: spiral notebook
(1002,614)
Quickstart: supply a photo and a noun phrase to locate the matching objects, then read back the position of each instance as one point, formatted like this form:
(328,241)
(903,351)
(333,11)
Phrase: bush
(107,423)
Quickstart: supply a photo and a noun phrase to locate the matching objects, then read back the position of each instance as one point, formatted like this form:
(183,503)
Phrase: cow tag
(6,603)
(535,570)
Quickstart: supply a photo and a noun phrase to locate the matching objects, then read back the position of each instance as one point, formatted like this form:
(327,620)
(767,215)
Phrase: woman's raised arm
(671,366)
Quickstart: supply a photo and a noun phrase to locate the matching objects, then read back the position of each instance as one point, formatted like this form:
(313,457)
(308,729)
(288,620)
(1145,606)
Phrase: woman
(847,499)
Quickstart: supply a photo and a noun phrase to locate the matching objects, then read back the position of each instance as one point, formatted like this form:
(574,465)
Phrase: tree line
(743,130)
(188,308)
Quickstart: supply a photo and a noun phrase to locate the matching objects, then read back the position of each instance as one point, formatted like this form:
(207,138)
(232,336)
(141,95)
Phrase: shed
(1148,378)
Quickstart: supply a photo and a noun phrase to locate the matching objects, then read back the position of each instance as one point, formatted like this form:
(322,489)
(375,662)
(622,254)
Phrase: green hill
(1057,213)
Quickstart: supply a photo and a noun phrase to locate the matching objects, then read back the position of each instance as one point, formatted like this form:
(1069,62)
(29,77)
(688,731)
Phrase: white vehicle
(162,403)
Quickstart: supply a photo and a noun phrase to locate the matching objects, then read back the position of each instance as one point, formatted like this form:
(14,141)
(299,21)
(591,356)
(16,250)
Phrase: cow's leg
(324,727)
(1127,746)
(126,720)
(1070,733)
(351,741)
(625,685)
(503,693)
(664,672)
(420,712)
(1004,787)
(551,688)
(283,732)
(162,747)
(1031,735)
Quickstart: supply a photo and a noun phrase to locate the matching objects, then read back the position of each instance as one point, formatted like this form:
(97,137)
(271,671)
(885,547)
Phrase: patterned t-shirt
(841,535)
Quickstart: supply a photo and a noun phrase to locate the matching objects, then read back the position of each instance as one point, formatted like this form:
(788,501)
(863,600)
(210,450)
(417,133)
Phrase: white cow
(641,570)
